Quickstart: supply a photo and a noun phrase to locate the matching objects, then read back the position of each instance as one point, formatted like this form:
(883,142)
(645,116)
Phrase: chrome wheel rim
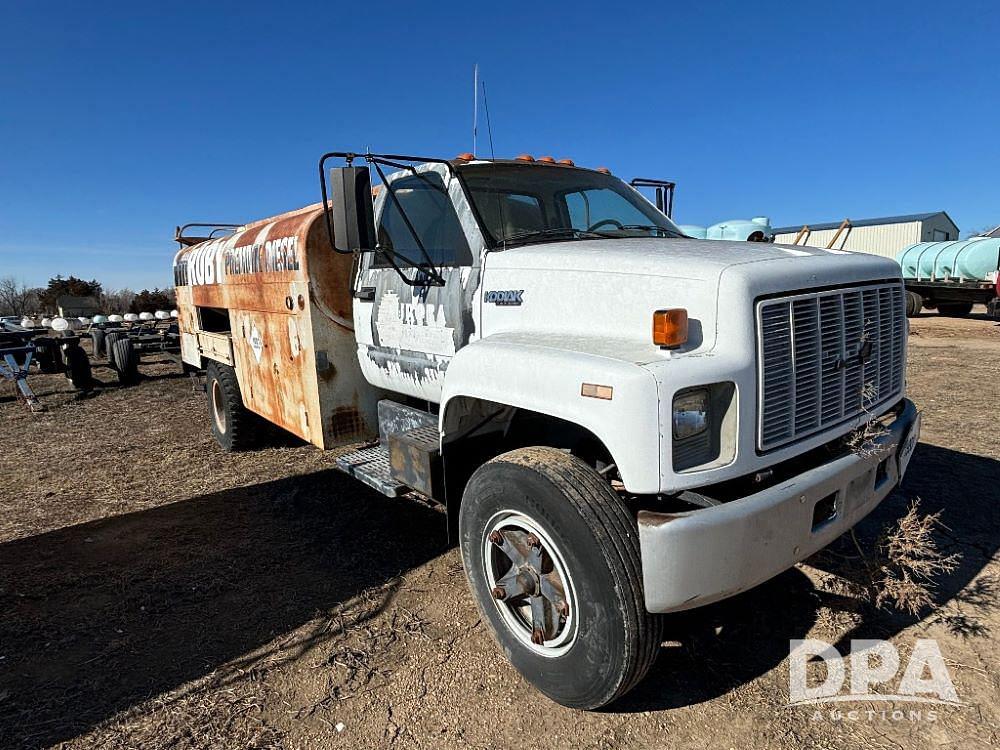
(530,583)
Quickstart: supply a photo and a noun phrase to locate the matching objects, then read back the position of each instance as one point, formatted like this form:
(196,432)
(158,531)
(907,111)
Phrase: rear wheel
(914,304)
(552,556)
(954,309)
(233,425)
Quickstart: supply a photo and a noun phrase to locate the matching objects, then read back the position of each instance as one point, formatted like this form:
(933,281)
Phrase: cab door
(408,333)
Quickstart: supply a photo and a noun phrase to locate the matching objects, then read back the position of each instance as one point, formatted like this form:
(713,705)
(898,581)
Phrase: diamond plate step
(371,466)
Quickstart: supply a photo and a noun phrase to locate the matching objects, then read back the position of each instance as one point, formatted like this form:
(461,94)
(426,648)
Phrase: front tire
(546,530)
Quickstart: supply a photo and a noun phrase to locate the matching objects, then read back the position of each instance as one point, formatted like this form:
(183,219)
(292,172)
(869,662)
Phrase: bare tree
(15,297)
(117,300)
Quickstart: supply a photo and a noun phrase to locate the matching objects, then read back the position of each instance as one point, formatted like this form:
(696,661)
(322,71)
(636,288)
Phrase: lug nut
(533,541)
(499,593)
(496,538)
(537,636)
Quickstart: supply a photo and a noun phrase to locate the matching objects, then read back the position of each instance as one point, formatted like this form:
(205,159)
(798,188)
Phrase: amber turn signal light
(670,327)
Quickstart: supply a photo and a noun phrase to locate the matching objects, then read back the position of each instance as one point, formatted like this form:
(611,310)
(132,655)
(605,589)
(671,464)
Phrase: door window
(426,204)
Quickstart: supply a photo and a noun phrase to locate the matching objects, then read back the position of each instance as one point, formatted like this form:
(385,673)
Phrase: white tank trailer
(952,276)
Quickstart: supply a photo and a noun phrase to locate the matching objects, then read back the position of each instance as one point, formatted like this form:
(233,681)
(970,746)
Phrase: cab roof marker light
(524,157)
(546,159)
(567,162)
(603,170)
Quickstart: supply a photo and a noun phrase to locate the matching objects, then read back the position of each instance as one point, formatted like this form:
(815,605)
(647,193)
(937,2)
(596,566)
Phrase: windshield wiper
(653,228)
(554,232)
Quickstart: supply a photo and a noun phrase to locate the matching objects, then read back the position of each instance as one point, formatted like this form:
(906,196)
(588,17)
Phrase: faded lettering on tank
(214,262)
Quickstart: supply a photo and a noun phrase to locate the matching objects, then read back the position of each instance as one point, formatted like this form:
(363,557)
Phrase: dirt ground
(159,593)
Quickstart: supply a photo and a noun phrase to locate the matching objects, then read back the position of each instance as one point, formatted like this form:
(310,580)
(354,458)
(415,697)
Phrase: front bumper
(701,556)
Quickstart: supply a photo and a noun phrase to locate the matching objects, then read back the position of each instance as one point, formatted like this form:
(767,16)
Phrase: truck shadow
(101,616)
(713,650)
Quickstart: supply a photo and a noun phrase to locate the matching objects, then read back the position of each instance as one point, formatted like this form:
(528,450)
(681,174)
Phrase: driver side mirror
(351,209)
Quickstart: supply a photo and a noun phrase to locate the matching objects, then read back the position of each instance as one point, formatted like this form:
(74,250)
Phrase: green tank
(974,259)
(952,276)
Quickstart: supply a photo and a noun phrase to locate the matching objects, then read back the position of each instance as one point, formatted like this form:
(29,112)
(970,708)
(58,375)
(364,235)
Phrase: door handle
(366,293)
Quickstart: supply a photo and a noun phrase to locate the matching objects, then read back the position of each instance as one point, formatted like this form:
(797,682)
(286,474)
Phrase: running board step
(415,460)
(371,466)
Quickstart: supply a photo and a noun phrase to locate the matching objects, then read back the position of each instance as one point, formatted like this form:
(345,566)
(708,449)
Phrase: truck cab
(621,421)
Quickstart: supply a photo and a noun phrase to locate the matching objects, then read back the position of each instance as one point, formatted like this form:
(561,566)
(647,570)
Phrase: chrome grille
(813,370)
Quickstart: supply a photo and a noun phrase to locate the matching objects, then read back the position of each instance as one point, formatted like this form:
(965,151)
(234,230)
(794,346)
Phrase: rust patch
(329,273)
(650,518)
(346,421)
(248,236)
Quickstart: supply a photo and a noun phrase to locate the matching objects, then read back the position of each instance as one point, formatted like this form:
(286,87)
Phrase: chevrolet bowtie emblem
(860,357)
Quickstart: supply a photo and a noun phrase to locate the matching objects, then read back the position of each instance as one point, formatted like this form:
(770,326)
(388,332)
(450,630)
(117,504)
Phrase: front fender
(545,375)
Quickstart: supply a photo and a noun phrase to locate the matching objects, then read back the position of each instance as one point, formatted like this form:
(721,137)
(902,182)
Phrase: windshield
(524,203)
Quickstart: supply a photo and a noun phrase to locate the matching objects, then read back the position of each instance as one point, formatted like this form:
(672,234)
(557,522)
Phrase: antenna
(493,158)
(475,105)
(489,128)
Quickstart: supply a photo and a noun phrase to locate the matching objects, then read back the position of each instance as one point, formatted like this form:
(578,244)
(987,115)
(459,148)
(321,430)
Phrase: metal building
(885,236)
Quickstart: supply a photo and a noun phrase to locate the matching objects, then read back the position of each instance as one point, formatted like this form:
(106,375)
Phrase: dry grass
(901,569)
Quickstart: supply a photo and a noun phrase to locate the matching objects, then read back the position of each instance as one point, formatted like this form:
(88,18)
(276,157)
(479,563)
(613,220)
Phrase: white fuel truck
(621,421)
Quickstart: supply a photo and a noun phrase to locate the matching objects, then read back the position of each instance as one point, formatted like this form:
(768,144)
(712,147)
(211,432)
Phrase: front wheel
(552,556)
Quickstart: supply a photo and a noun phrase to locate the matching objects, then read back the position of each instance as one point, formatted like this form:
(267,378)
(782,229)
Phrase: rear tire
(234,426)
(604,641)
(125,359)
(914,304)
(954,309)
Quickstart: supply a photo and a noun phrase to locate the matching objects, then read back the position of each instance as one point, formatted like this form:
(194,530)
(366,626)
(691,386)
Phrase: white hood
(608,289)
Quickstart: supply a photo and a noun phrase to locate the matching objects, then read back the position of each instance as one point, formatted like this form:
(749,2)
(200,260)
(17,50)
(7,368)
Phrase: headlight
(690,413)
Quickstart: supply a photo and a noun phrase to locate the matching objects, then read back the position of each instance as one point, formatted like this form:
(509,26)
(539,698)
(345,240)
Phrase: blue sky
(120,120)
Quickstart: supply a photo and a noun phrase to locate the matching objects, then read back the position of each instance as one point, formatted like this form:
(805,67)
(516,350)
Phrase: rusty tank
(273,300)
